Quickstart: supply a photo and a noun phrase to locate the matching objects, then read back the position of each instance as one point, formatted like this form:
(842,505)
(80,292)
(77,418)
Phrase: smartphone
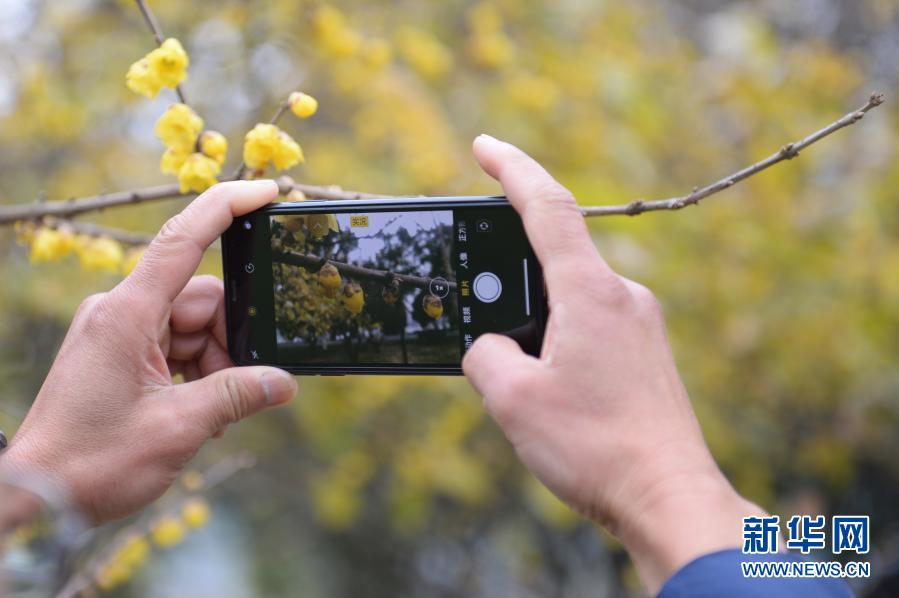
(385,286)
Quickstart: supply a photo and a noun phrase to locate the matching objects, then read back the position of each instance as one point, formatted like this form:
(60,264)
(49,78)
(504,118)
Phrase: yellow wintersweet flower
(131,259)
(214,145)
(134,551)
(258,145)
(99,253)
(321,224)
(169,62)
(198,173)
(192,480)
(112,575)
(353,298)
(329,276)
(142,79)
(24,232)
(49,245)
(172,160)
(302,104)
(432,305)
(266,142)
(195,513)
(286,152)
(178,127)
(167,532)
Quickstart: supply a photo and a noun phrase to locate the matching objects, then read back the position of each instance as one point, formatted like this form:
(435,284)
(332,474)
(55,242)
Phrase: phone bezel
(380,205)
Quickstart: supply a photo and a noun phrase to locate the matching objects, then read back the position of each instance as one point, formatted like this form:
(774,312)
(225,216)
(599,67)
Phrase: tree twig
(73,207)
(314,263)
(217,474)
(287,184)
(153,24)
(787,152)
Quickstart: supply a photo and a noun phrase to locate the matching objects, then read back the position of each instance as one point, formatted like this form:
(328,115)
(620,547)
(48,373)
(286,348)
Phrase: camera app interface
(407,287)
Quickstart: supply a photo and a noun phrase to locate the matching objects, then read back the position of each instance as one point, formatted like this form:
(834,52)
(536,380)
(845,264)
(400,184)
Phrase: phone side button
(233,291)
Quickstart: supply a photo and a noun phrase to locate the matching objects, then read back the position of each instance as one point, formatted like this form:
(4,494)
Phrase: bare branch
(314,263)
(74,207)
(153,24)
(787,152)
(287,184)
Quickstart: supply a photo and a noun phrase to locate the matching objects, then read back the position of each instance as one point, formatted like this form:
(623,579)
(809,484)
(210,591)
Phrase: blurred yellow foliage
(424,53)
(196,513)
(781,296)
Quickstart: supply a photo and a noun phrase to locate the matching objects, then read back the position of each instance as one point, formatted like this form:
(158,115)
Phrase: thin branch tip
(786,152)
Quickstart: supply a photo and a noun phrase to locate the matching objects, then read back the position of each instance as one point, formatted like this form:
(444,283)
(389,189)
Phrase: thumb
(493,364)
(229,395)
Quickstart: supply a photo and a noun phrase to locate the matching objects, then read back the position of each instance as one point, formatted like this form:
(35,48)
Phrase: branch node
(635,207)
(788,151)
(285,184)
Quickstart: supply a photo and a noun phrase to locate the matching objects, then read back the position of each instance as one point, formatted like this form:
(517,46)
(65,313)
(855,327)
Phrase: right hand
(601,417)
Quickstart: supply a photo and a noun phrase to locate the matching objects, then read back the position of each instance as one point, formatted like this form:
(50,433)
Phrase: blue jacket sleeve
(721,574)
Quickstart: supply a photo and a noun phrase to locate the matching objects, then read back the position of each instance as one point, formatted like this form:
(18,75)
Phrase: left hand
(108,424)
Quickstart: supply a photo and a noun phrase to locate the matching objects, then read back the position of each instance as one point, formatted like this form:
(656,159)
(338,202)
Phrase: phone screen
(398,288)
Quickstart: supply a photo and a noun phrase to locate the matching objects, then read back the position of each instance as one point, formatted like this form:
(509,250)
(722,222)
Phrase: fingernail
(261,182)
(279,387)
(485,137)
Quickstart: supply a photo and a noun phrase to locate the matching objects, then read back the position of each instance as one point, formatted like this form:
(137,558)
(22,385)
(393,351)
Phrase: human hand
(108,424)
(601,417)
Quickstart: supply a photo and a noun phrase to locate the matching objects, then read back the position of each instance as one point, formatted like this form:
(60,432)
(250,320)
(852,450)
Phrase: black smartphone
(385,286)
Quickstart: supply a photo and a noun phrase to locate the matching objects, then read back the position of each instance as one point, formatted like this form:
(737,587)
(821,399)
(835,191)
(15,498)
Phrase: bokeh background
(782,294)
